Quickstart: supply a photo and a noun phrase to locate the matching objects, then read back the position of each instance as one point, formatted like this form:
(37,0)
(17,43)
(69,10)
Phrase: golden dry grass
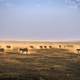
(54,64)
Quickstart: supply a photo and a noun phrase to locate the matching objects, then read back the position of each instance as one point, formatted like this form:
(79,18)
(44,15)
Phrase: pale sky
(39,20)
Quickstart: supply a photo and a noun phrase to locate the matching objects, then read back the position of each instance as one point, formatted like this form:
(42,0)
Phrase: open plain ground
(52,64)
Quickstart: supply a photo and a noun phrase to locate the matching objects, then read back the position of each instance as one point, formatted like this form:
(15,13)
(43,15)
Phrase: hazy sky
(39,19)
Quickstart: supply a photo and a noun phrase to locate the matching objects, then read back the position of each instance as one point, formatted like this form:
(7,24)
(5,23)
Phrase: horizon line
(43,40)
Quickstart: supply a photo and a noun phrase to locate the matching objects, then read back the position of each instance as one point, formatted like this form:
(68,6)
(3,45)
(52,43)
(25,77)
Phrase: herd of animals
(27,47)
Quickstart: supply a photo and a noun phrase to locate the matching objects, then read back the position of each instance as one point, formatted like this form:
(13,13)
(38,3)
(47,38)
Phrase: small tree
(59,46)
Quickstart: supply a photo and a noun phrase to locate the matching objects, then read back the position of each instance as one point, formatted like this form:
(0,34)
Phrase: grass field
(54,64)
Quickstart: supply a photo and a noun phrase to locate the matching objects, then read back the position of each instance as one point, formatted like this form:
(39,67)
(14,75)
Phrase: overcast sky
(39,20)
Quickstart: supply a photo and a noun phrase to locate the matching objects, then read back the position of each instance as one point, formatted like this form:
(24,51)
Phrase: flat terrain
(54,64)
